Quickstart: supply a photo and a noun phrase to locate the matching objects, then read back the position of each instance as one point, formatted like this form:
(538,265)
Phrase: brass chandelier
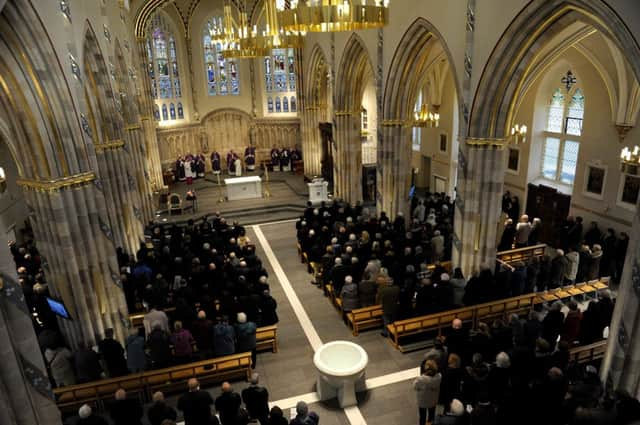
(425,118)
(244,41)
(332,15)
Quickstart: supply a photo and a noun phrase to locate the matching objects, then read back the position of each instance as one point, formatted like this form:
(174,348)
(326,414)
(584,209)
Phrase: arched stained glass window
(278,105)
(285,104)
(156,112)
(292,71)
(163,66)
(180,111)
(294,104)
(222,74)
(172,111)
(280,77)
(270,104)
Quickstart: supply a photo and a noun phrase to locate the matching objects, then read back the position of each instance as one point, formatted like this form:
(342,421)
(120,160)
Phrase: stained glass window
(180,111)
(172,111)
(280,76)
(278,105)
(294,104)
(156,112)
(163,67)
(270,104)
(285,104)
(222,74)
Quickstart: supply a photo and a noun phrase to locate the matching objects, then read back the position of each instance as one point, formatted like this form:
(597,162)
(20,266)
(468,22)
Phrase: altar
(243,188)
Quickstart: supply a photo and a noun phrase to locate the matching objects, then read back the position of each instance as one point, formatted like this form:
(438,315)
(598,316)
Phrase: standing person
(159,410)
(303,416)
(534,234)
(112,354)
(250,158)
(228,404)
(388,296)
(276,417)
(87,365)
(275,158)
(215,163)
(508,234)
(223,338)
(256,398)
(573,263)
(159,347)
(87,417)
(202,331)
(182,341)
(246,337)
(136,357)
(608,263)
(59,361)
(427,388)
(195,405)
(285,159)
(523,230)
(437,246)
(458,285)
(125,411)
(155,316)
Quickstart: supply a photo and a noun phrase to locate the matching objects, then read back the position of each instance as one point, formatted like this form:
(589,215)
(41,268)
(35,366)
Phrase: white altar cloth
(243,188)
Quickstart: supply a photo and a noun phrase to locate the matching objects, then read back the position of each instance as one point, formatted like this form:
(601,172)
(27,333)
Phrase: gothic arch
(354,70)
(508,65)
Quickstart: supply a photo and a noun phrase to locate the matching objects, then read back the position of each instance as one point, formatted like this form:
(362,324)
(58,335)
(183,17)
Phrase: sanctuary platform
(289,195)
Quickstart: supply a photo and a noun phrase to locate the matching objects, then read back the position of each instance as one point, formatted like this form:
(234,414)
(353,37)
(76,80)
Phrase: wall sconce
(3,181)
(518,134)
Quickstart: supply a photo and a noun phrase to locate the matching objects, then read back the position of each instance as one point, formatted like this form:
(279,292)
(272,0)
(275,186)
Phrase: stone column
(312,143)
(77,244)
(621,365)
(481,167)
(134,139)
(148,123)
(394,168)
(347,168)
(25,396)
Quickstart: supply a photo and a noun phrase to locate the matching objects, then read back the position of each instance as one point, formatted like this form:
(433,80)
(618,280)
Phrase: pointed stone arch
(410,69)
(354,71)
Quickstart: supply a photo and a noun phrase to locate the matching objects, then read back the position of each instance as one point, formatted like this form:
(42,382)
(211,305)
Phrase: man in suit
(125,411)
(196,405)
(228,405)
(256,398)
(159,410)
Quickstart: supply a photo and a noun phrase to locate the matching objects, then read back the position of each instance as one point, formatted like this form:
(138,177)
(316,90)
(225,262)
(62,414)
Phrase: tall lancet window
(222,74)
(562,136)
(163,66)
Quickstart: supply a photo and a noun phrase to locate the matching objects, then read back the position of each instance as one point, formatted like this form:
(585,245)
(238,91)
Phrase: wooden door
(551,207)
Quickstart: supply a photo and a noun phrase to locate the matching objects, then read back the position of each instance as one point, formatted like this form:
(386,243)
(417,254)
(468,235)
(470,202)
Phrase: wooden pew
(588,353)
(365,318)
(173,378)
(267,338)
(521,254)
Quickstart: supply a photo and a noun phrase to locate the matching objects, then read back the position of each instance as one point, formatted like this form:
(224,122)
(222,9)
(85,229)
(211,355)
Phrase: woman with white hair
(500,379)
(455,415)
(87,417)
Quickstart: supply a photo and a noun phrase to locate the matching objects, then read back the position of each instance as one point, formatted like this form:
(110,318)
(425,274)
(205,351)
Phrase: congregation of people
(206,273)
(198,407)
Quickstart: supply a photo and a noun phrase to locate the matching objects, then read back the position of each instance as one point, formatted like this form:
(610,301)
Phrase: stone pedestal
(341,371)
(318,191)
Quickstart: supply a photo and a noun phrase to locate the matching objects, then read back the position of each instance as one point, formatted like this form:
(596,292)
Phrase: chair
(174,203)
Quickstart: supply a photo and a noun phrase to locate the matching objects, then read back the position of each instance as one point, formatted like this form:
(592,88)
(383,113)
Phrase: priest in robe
(296,156)
(237,165)
(250,158)
(285,159)
(215,162)
(190,168)
(231,162)
(275,158)
(200,165)
(180,175)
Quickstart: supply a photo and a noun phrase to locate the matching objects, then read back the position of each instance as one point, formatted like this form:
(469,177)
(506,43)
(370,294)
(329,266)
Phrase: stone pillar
(621,365)
(154,166)
(311,141)
(347,168)
(394,168)
(21,364)
(72,228)
(134,139)
(481,167)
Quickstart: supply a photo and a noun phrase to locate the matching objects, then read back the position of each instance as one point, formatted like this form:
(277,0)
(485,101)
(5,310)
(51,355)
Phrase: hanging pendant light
(332,15)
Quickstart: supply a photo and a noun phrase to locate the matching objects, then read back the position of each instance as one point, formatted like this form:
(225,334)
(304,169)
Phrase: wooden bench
(521,254)
(267,338)
(365,318)
(71,397)
(588,353)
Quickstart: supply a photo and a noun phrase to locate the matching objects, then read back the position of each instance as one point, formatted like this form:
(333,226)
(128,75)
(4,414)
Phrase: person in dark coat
(87,365)
(590,326)
(276,417)
(454,414)
(202,331)
(224,337)
(458,339)
(451,385)
(571,327)
(388,296)
(268,307)
(256,398)
(544,273)
(228,404)
(159,410)
(508,234)
(593,268)
(367,291)
(349,295)
(125,411)
(605,310)
(159,347)
(593,235)
(500,379)
(552,324)
(476,380)
(196,405)
(246,337)
(518,279)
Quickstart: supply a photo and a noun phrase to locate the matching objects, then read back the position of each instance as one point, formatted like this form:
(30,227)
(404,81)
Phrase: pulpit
(318,191)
